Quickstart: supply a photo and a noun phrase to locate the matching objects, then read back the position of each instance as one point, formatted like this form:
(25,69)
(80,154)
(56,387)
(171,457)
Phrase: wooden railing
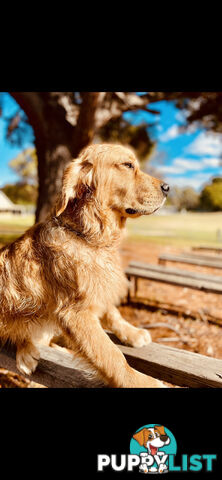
(57,369)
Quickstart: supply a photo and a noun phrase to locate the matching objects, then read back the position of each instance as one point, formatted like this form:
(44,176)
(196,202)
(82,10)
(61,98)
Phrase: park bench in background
(56,367)
(192,259)
(206,247)
(173,276)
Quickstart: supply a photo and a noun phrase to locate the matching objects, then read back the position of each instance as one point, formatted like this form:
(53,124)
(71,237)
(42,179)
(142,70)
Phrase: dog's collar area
(68,227)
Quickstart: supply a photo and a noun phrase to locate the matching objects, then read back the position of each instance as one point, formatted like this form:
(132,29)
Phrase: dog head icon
(152,438)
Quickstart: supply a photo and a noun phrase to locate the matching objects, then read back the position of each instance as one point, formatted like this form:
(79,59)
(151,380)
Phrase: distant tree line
(209,199)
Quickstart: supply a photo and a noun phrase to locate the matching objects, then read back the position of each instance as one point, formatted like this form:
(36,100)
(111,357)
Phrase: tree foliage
(136,136)
(25,165)
(20,193)
(211,195)
(184,198)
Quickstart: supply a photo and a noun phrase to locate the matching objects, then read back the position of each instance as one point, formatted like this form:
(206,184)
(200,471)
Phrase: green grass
(178,229)
(11,227)
(4,239)
(16,221)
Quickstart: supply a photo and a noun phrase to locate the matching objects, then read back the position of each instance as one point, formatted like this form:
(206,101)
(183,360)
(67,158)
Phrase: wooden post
(128,293)
(161,261)
(135,286)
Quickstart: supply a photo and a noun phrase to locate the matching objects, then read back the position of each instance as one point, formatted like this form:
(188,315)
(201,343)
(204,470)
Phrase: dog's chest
(100,277)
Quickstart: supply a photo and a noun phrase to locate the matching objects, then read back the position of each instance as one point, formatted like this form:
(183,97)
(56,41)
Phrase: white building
(7,206)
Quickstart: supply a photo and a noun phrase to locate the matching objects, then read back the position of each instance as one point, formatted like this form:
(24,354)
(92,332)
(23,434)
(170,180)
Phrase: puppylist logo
(152,450)
(153,444)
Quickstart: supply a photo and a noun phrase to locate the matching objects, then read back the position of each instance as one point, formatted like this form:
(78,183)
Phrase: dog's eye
(150,437)
(129,165)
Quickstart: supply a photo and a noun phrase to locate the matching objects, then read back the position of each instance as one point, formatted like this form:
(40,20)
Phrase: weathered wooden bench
(173,276)
(56,368)
(192,259)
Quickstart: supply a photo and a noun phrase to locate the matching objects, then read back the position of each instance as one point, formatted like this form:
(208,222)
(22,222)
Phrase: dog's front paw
(163,468)
(143,468)
(138,338)
(27,359)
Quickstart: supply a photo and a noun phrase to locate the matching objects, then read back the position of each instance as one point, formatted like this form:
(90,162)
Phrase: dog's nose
(163,438)
(165,188)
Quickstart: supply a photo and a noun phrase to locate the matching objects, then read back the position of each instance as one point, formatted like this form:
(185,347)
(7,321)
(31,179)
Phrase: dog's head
(152,438)
(110,176)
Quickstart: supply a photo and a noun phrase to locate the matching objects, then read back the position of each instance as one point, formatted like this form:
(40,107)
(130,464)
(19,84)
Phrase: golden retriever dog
(64,274)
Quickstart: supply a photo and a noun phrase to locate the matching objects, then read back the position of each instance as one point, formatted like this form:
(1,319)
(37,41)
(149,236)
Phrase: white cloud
(196,181)
(206,144)
(188,164)
(170,169)
(182,165)
(169,134)
(177,130)
(212,161)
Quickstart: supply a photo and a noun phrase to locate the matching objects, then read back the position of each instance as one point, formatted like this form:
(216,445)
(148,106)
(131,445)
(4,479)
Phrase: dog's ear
(141,437)
(77,182)
(160,429)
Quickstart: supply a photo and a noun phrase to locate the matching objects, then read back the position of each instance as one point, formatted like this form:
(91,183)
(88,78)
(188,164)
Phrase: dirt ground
(197,335)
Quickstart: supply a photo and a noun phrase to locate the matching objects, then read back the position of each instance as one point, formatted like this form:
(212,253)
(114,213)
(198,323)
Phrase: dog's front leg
(27,357)
(86,334)
(127,333)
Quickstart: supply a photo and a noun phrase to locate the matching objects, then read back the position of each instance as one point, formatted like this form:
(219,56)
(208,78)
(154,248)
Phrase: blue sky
(8,151)
(188,158)
(183,159)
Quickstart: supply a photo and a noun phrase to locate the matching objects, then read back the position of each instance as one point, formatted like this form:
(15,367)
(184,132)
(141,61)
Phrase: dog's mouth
(153,450)
(131,211)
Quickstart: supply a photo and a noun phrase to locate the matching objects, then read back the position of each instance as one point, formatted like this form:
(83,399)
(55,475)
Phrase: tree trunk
(57,140)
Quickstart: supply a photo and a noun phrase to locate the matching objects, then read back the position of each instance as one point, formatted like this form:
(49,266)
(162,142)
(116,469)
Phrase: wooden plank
(211,258)
(206,247)
(176,271)
(201,256)
(190,260)
(153,305)
(194,283)
(175,366)
(56,369)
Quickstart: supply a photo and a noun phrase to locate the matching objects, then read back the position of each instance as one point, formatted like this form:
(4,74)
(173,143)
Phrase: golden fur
(64,274)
